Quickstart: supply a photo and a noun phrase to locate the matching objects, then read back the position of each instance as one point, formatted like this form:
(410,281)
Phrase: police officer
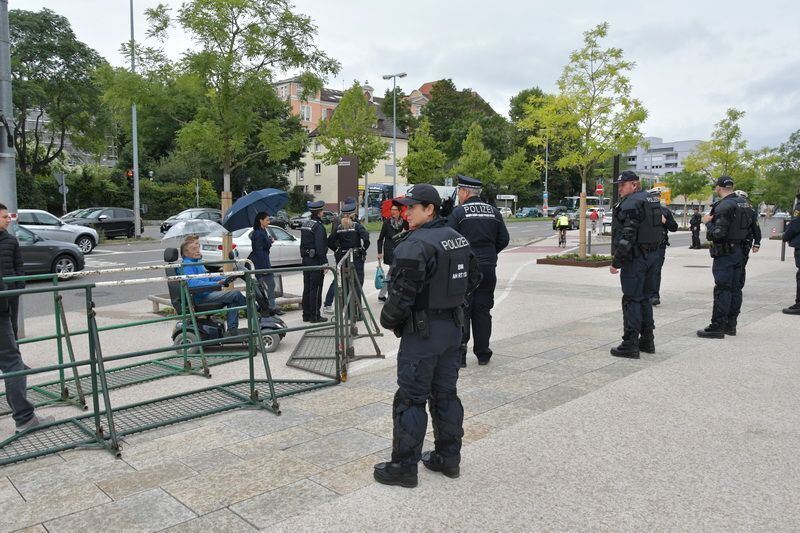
(314,251)
(669,225)
(483,226)
(791,235)
(346,235)
(432,273)
(694,225)
(636,235)
(751,243)
(728,226)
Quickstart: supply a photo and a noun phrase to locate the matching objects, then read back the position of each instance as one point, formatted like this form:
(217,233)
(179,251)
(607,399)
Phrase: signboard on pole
(599,189)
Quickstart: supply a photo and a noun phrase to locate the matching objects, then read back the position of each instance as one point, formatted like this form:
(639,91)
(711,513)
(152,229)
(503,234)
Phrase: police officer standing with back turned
(432,273)
(694,224)
(751,243)
(636,234)
(728,225)
(669,225)
(791,235)
(314,251)
(483,226)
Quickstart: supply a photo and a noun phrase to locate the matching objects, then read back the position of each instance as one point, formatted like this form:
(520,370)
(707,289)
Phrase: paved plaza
(559,435)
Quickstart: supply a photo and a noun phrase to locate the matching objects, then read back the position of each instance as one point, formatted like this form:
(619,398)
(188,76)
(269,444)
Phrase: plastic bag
(379,278)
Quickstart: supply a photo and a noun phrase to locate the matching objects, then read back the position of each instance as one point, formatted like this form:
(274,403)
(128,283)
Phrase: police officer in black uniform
(751,243)
(694,224)
(728,225)
(669,225)
(483,226)
(345,235)
(314,251)
(791,235)
(432,273)
(636,235)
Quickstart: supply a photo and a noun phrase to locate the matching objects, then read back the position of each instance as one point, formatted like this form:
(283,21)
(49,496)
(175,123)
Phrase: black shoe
(317,320)
(711,332)
(483,362)
(626,350)
(435,462)
(655,301)
(463,363)
(234,332)
(647,344)
(730,330)
(381,298)
(793,310)
(396,474)
(277,312)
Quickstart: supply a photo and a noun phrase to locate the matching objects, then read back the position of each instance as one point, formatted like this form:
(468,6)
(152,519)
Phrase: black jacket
(483,226)
(696,221)
(386,242)
(11,258)
(792,233)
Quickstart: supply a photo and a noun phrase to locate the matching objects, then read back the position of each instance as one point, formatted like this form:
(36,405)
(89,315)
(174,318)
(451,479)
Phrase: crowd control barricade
(105,424)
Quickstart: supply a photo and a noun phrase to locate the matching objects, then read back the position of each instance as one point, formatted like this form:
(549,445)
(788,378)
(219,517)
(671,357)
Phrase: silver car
(49,227)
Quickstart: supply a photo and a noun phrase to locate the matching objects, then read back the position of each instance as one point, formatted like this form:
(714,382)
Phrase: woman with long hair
(392,227)
(262,242)
(349,234)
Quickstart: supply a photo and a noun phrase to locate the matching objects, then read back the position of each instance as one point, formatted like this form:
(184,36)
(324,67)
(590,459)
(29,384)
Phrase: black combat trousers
(427,371)
(478,316)
(312,290)
(727,270)
(638,280)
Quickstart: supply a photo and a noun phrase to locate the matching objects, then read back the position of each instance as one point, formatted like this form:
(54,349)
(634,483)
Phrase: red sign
(599,189)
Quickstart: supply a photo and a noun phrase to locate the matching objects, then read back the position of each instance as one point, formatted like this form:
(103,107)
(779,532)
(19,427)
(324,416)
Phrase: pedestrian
(728,226)
(391,228)
(594,216)
(433,271)
(11,259)
(484,227)
(694,225)
(348,235)
(669,225)
(751,243)
(261,242)
(791,235)
(636,235)
(22,410)
(314,251)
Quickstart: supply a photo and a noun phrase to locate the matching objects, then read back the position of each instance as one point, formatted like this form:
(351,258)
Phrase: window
(672,157)
(317,188)
(47,219)
(631,159)
(305,113)
(26,218)
(281,235)
(328,113)
(317,147)
(389,148)
(283,91)
(389,170)
(317,169)
(671,165)
(23,235)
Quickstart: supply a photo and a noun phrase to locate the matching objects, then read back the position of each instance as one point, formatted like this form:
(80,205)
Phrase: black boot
(647,342)
(463,356)
(793,310)
(435,462)
(655,301)
(730,329)
(629,347)
(396,474)
(712,332)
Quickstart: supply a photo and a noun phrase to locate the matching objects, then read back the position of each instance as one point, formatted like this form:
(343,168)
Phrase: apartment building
(659,158)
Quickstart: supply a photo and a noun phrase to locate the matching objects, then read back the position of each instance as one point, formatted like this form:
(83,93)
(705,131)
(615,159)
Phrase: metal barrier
(111,423)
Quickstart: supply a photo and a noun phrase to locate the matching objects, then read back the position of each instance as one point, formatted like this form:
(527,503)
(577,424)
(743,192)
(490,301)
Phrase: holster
(417,323)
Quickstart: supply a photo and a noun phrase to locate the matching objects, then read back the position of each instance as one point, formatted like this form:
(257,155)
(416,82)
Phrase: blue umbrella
(244,211)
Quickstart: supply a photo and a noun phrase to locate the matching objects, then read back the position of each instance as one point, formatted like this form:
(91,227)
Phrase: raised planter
(568,261)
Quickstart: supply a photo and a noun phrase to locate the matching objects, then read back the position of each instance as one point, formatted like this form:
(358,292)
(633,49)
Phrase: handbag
(379,278)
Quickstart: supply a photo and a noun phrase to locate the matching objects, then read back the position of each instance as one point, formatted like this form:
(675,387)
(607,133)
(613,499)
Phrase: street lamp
(135,144)
(394,77)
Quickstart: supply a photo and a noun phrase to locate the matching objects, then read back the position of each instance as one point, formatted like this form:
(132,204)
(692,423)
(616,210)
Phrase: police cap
(724,181)
(349,206)
(627,175)
(315,206)
(421,193)
(465,182)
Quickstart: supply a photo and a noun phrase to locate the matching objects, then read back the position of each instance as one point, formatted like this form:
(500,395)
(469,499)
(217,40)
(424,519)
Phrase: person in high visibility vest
(562,221)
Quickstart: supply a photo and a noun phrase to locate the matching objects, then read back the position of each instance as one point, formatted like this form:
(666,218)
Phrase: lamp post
(394,77)
(135,145)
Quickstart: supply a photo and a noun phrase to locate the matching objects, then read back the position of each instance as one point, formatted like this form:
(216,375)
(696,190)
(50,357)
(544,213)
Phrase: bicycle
(562,237)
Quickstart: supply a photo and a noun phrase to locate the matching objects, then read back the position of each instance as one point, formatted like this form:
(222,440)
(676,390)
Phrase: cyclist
(562,225)
(594,216)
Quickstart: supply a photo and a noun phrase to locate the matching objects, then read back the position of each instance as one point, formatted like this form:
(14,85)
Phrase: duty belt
(442,314)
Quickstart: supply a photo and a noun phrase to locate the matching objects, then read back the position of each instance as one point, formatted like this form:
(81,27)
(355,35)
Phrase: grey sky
(694,58)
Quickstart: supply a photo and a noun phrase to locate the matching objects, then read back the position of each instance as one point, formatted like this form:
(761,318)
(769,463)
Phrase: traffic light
(129,174)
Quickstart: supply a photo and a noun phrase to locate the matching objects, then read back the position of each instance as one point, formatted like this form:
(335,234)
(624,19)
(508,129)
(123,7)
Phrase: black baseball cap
(627,175)
(421,193)
(724,181)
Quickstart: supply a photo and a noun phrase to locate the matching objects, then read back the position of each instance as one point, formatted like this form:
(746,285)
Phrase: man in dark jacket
(791,235)
(392,227)
(694,224)
(11,260)
(669,226)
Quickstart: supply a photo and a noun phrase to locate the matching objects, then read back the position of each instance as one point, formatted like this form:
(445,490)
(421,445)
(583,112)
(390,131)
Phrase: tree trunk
(582,220)
(225,205)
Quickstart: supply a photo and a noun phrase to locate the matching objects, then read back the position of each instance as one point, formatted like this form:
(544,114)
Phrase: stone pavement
(559,434)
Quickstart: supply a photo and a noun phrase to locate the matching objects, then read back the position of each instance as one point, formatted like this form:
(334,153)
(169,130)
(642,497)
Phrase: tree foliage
(351,131)
(782,180)
(405,119)
(724,153)
(476,161)
(692,186)
(518,175)
(425,161)
(53,84)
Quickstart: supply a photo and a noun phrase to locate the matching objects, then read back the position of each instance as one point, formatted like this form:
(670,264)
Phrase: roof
(426,87)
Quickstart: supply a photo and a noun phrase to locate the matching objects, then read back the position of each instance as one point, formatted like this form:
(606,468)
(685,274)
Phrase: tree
(594,114)
(351,131)
(53,84)
(476,160)
(518,175)
(406,121)
(782,181)
(425,161)
(724,154)
(692,186)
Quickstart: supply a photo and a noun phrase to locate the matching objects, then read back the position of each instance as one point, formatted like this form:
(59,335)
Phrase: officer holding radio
(314,251)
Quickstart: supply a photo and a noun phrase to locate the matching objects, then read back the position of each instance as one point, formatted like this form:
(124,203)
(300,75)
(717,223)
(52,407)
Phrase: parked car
(49,227)
(782,215)
(528,212)
(555,210)
(326,217)
(374,214)
(285,249)
(505,211)
(41,256)
(280,219)
(201,213)
(110,221)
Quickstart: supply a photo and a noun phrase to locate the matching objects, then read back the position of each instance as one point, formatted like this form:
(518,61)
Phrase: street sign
(599,189)
(545,195)
(507,197)
(60,178)
(63,189)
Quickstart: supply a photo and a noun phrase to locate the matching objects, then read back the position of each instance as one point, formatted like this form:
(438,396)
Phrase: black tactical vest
(448,285)
(651,230)
(307,229)
(741,219)
(348,238)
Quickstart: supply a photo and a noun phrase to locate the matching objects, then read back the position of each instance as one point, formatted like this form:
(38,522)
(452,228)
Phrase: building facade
(659,158)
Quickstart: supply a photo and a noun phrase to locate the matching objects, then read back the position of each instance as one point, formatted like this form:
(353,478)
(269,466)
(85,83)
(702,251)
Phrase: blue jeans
(227,299)
(11,361)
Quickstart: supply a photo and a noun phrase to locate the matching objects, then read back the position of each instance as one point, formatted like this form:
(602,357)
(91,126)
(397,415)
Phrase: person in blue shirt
(190,252)
(262,242)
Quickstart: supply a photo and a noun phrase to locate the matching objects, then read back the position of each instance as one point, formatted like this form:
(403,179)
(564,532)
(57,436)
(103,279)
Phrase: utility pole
(546,196)
(394,77)
(137,215)
(8,158)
